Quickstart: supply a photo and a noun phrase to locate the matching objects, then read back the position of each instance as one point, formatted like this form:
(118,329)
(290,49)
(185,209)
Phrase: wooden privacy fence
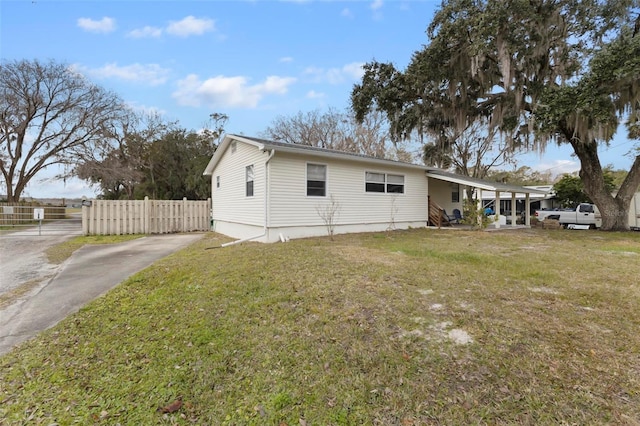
(117,217)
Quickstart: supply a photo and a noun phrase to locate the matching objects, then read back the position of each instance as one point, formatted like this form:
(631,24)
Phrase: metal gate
(34,220)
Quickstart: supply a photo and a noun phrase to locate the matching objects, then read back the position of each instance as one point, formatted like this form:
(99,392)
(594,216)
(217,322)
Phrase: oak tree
(49,115)
(538,71)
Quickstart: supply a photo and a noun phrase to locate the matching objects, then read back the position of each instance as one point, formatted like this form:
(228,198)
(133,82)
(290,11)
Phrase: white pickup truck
(584,214)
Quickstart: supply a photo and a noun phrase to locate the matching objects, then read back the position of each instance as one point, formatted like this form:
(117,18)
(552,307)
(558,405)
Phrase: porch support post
(497,209)
(480,207)
(527,203)
(513,209)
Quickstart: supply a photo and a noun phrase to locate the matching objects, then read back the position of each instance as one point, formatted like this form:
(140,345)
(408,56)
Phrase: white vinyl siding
(229,201)
(440,192)
(289,204)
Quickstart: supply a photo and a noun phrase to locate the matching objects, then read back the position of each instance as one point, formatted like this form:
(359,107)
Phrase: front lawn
(405,328)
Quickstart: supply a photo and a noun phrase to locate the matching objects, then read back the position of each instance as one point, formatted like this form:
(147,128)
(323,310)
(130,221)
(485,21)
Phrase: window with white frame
(374,182)
(316,180)
(395,184)
(455,193)
(383,182)
(249,181)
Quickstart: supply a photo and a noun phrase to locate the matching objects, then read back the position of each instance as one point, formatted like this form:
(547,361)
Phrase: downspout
(266,205)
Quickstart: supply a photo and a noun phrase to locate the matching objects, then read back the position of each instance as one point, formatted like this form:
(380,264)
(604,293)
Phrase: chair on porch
(448,219)
(457,215)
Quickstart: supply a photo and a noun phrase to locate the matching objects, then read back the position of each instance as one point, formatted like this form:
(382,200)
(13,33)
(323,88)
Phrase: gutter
(266,205)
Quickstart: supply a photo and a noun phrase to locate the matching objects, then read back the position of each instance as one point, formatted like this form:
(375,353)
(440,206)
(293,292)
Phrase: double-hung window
(316,180)
(395,184)
(249,181)
(383,182)
(374,182)
(455,192)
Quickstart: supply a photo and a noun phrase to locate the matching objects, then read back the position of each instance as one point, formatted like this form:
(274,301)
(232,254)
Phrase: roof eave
(477,183)
(346,157)
(208,171)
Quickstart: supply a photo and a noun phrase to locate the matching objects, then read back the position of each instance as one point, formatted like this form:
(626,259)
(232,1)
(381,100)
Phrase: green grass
(61,252)
(406,328)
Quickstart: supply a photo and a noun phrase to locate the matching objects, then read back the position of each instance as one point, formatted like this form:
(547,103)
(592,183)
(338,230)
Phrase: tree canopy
(538,71)
(523,175)
(569,189)
(156,159)
(333,129)
(49,115)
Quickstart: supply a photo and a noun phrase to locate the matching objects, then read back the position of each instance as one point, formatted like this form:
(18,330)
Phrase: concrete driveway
(90,272)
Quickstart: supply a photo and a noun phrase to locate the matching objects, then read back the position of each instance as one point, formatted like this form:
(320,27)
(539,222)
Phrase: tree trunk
(614,210)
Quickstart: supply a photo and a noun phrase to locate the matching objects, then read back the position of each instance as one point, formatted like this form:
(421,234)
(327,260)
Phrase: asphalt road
(90,272)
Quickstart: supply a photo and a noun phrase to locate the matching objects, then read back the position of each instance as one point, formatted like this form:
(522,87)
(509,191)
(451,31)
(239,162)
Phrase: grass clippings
(532,327)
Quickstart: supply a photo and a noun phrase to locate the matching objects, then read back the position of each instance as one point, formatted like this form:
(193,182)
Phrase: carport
(497,188)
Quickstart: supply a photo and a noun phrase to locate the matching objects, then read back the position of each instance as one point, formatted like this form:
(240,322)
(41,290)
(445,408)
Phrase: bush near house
(400,328)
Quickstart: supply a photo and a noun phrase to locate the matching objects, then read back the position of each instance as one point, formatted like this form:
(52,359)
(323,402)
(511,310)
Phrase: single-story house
(268,191)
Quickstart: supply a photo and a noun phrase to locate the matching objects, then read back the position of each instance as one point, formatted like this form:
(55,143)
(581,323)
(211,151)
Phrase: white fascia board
(208,171)
(341,156)
(482,184)
(462,181)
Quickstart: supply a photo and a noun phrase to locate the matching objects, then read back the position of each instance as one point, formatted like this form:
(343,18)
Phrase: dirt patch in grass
(367,255)
(12,295)
(446,329)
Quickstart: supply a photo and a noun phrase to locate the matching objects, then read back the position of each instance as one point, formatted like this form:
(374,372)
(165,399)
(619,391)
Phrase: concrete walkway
(90,272)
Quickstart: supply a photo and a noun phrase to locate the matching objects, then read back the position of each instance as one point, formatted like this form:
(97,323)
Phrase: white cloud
(105,25)
(312,94)
(190,26)
(152,74)
(286,59)
(354,70)
(346,13)
(233,92)
(558,167)
(376,4)
(146,32)
(349,72)
(376,7)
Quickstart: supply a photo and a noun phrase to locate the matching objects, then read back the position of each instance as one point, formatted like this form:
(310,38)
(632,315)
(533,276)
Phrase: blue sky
(252,60)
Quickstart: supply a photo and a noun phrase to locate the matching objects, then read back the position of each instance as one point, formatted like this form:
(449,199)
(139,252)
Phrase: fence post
(184,214)
(85,220)
(92,218)
(146,213)
(118,206)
